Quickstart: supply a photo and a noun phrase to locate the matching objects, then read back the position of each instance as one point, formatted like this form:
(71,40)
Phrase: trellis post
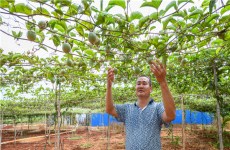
(218,107)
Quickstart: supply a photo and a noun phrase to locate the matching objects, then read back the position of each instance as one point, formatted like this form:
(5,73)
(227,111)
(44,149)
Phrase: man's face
(143,89)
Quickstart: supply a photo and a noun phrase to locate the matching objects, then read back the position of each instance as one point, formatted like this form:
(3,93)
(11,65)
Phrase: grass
(75,138)
(86,145)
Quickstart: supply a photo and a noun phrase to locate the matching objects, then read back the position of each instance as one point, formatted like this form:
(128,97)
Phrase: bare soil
(102,138)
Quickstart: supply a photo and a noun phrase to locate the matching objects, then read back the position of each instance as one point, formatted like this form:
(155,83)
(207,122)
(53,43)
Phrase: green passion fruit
(31,35)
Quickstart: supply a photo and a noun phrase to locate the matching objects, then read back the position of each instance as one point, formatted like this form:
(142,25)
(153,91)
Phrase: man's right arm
(110,109)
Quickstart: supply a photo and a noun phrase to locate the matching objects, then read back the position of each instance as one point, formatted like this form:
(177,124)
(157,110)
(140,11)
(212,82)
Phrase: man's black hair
(150,82)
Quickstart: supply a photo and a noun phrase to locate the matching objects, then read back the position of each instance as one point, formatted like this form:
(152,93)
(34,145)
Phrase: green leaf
(202,43)
(154,3)
(87,12)
(143,20)
(182,1)
(58,11)
(154,16)
(100,19)
(21,8)
(52,23)
(108,8)
(60,28)
(169,19)
(62,24)
(64,2)
(161,13)
(195,12)
(135,15)
(151,28)
(213,16)
(218,50)
(70,28)
(181,14)
(73,10)
(225,9)
(228,2)
(132,28)
(85,3)
(211,5)
(40,1)
(90,52)
(224,19)
(19,34)
(4,4)
(72,34)
(56,40)
(40,10)
(205,3)
(94,9)
(42,37)
(80,30)
(11,1)
(120,3)
(195,30)
(170,5)
(14,34)
(86,24)
(1,20)
(227,36)
(49,75)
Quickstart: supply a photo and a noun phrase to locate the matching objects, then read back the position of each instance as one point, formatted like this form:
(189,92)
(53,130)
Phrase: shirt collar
(150,102)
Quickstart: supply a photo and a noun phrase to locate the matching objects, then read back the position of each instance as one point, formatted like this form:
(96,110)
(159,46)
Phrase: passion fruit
(62,72)
(42,25)
(31,35)
(97,42)
(92,37)
(66,47)
(69,63)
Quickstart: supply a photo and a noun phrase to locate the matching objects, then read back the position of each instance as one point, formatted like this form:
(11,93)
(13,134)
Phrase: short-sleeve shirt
(142,126)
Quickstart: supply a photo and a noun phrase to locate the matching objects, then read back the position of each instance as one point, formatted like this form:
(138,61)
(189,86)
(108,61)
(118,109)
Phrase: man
(143,119)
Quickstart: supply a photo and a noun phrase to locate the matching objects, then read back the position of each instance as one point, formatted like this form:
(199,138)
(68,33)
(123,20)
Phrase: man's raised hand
(110,76)
(159,71)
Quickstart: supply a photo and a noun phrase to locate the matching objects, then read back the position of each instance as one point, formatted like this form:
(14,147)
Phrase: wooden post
(108,133)
(218,108)
(183,122)
(28,127)
(59,116)
(15,132)
(1,126)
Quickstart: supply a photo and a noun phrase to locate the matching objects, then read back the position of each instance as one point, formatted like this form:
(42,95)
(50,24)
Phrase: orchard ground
(102,138)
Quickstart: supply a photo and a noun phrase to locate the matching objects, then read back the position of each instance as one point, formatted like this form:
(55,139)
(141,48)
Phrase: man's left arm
(160,73)
(168,101)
